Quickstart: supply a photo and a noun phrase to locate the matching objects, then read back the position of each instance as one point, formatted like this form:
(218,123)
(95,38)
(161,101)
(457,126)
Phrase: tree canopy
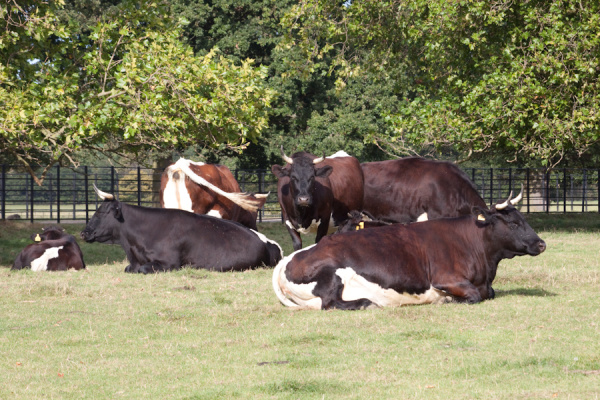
(125,84)
(521,78)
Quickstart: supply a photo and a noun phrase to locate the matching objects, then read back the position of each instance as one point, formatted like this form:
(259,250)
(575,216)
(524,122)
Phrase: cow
(163,239)
(317,193)
(416,189)
(53,250)
(437,261)
(208,189)
(358,220)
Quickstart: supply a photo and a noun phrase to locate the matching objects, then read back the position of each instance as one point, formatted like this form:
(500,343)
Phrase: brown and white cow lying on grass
(54,250)
(450,259)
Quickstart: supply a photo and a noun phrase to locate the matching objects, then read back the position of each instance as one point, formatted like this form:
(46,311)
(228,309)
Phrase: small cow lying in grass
(54,250)
(449,259)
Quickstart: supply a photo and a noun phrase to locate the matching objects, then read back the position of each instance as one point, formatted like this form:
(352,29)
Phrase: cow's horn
(502,206)
(518,198)
(319,159)
(286,158)
(103,195)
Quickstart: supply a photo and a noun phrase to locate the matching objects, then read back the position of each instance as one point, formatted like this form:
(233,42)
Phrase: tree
(127,86)
(479,77)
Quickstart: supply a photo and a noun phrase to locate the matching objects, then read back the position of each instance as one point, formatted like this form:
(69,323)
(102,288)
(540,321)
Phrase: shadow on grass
(536,292)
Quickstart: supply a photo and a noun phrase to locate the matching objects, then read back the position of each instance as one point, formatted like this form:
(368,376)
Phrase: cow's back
(205,201)
(402,190)
(346,182)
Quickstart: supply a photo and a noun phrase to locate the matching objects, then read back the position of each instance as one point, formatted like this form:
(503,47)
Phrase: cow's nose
(542,245)
(303,200)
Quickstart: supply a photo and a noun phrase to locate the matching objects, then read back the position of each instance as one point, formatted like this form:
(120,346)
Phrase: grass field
(194,334)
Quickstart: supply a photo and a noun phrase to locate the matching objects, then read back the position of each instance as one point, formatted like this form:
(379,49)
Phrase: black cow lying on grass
(427,262)
(161,239)
(358,220)
(54,250)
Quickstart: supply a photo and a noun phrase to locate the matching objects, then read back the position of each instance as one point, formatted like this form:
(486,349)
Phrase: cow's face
(104,225)
(302,172)
(509,230)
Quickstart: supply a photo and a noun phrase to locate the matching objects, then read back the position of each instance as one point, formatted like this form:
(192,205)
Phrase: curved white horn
(319,159)
(518,198)
(103,195)
(286,158)
(502,206)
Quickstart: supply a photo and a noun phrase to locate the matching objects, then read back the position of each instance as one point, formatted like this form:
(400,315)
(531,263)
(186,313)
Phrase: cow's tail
(247,201)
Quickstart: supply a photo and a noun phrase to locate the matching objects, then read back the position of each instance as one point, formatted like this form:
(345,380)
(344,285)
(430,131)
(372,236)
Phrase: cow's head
(508,229)
(49,233)
(302,171)
(104,225)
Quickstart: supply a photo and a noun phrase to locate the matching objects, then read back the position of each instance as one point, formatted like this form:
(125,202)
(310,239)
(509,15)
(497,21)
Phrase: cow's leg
(463,292)
(296,239)
(322,229)
(329,288)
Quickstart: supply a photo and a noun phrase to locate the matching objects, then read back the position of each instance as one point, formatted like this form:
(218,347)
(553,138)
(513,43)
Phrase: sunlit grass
(193,334)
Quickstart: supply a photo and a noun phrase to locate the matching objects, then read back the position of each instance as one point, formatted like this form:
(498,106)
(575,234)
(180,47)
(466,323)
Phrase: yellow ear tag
(480,217)
(361,225)
(38,238)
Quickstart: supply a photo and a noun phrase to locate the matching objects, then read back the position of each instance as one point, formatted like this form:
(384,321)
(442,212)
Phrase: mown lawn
(191,334)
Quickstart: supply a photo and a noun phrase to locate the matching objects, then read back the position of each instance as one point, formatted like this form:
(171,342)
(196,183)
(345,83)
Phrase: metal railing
(67,194)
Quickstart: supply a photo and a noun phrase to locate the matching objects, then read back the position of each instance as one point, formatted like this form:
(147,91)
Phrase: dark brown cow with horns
(209,189)
(434,261)
(317,193)
(416,189)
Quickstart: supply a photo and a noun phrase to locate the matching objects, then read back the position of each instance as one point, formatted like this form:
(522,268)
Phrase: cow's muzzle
(542,246)
(303,201)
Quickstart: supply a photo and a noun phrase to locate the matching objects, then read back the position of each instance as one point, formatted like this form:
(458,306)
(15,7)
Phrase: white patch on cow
(214,213)
(357,287)
(176,194)
(41,263)
(291,294)
(314,226)
(339,154)
(422,217)
(265,239)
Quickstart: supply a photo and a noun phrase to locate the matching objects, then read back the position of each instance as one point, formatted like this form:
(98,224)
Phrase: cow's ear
(117,211)
(279,171)
(482,215)
(324,172)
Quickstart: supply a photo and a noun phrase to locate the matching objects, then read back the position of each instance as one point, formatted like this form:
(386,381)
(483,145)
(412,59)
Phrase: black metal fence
(67,194)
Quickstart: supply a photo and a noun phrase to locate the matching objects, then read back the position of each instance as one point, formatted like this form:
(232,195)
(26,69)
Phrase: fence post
(491,185)
(74,194)
(564,190)
(31,199)
(528,199)
(3,191)
(139,185)
(86,191)
(112,179)
(58,194)
(547,186)
(584,184)
(51,196)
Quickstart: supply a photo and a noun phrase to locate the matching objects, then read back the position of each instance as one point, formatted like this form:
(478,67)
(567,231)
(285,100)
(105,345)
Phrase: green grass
(194,334)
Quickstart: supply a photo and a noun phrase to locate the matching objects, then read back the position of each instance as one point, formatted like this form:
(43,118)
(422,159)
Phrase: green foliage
(128,84)
(476,76)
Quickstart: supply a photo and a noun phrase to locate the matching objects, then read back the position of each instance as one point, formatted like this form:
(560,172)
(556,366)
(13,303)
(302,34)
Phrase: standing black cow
(159,239)
(54,250)
(415,189)
(317,193)
(429,262)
